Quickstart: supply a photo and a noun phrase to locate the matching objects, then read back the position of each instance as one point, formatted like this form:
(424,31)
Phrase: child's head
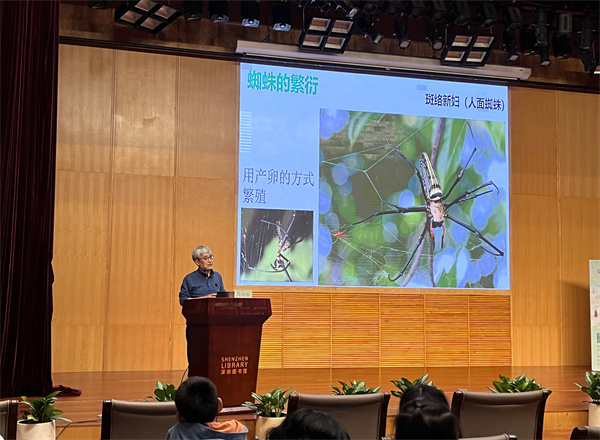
(308,424)
(424,393)
(425,414)
(197,400)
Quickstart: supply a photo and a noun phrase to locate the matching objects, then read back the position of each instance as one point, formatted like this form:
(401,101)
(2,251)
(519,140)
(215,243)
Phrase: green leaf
(42,409)
(521,384)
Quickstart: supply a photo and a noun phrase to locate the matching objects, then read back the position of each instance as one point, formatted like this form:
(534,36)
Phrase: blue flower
(462,265)
(324,202)
(339,173)
(332,121)
(325,242)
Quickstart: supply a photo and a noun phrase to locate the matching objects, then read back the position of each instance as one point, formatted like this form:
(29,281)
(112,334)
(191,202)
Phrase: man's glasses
(208,257)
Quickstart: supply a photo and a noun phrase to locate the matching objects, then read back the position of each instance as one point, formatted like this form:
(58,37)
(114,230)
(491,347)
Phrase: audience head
(424,393)
(308,424)
(425,414)
(197,400)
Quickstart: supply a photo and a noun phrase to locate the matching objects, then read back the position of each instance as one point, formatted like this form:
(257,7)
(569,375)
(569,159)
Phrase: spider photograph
(412,201)
(276,245)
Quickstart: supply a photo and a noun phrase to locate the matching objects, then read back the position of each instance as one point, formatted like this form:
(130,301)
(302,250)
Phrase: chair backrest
(585,432)
(363,415)
(493,437)
(123,420)
(9,412)
(484,414)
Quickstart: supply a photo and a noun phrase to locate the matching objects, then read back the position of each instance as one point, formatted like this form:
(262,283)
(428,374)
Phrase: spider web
(361,171)
(260,245)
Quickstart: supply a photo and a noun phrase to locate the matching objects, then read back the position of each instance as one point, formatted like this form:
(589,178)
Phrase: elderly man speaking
(204,282)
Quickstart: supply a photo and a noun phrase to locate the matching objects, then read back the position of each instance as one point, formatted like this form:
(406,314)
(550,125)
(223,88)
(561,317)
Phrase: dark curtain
(29,66)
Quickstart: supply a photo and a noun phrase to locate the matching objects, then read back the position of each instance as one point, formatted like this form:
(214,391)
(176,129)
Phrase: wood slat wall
(147,170)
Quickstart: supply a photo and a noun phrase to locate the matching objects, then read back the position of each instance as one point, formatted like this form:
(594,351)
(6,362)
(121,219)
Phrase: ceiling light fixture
(541,27)
(218,11)
(437,11)
(415,8)
(282,17)
(326,35)
(369,6)
(461,13)
(527,41)
(467,50)
(369,30)
(508,39)
(192,9)
(401,33)
(250,11)
(433,36)
(512,19)
(561,46)
(487,15)
(349,9)
(146,15)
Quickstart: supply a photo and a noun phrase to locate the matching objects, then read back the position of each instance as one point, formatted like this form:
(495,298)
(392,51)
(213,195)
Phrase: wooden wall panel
(355,330)
(271,348)
(137,347)
(489,330)
(205,216)
(77,347)
(535,261)
(145,105)
(307,330)
(578,141)
(80,267)
(208,119)
(580,242)
(535,287)
(532,128)
(139,296)
(402,330)
(178,344)
(446,330)
(141,250)
(165,140)
(85,101)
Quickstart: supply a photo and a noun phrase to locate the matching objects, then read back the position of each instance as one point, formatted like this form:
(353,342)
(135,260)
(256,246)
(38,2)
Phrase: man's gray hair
(199,251)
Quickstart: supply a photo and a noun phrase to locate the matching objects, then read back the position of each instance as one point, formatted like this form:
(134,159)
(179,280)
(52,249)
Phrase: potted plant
(593,390)
(521,384)
(38,421)
(404,384)
(354,388)
(269,408)
(164,392)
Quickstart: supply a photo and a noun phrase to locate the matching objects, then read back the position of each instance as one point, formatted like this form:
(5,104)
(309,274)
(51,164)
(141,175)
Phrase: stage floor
(564,408)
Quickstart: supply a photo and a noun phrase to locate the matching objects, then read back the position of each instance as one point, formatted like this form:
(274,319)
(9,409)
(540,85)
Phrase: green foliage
(404,384)
(354,388)
(271,404)
(521,384)
(164,392)
(42,410)
(593,386)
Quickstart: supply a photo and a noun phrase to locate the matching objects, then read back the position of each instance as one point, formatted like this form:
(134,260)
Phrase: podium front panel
(224,337)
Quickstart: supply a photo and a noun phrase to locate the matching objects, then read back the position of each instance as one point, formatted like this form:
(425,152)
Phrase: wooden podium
(224,343)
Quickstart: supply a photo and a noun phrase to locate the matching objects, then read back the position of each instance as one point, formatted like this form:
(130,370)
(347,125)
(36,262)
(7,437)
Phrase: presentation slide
(371,180)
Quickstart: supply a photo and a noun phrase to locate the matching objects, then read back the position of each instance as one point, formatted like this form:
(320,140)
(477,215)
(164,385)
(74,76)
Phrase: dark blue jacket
(197,284)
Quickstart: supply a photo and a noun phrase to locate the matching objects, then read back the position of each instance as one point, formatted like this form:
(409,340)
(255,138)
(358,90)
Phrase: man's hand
(212,295)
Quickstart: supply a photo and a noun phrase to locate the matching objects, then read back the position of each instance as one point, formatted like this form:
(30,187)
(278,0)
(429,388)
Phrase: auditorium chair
(123,420)
(9,411)
(363,415)
(484,414)
(585,432)
(493,437)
